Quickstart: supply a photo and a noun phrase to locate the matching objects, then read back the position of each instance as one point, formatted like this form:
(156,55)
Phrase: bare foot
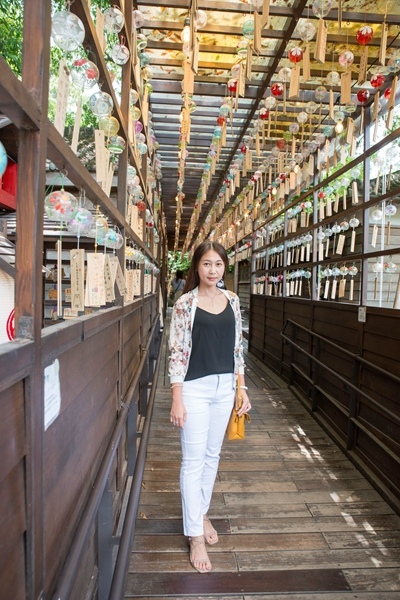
(198,554)
(210,535)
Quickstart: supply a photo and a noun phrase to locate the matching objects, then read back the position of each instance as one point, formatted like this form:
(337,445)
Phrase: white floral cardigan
(180,339)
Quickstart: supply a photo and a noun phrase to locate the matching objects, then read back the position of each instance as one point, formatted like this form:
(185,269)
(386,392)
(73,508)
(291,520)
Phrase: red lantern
(243,149)
(232,85)
(295,54)
(263,114)
(362,96)
(282,177)
(277,89)
(377,80)
(387,93)
(321,195)
(365,35)
(281,144)
(141,205)
(221,121)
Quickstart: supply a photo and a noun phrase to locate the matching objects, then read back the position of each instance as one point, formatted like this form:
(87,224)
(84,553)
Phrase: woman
(206,356)
(177,285)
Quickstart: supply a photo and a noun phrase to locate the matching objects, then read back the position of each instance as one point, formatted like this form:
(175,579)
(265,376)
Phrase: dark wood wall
(367,428)
(99,356)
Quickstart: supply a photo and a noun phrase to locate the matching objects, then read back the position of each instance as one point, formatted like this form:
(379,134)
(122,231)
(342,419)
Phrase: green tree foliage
(11,26)
(178,262)
(11,44)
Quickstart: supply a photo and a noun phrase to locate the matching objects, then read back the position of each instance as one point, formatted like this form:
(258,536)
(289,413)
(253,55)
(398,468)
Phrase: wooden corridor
(295,519)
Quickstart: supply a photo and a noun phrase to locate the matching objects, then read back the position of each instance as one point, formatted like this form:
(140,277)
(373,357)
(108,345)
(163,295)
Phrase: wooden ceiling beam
(16,102)
(210,29)
(177,47)
(274,11)
(200,89)
(215,65)
(218,66)
(272,34)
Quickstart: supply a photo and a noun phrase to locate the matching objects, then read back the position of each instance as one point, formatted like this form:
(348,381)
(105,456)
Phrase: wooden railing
(371,439)
(71,478)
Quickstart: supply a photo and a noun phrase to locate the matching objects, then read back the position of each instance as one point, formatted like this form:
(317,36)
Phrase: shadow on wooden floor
(296,519)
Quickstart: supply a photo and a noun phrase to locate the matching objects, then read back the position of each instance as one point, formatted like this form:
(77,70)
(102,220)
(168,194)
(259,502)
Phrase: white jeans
(208,401)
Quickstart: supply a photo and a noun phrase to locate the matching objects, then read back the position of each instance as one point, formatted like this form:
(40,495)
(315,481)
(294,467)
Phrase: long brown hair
(193,279)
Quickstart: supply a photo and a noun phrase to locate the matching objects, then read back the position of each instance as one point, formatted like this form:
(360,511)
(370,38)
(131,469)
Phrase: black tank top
(213,343)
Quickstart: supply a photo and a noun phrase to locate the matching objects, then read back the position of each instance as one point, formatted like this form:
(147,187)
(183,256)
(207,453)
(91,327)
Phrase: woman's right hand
(178,410)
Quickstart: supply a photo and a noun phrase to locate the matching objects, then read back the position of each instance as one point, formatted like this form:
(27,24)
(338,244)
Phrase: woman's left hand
(246,405)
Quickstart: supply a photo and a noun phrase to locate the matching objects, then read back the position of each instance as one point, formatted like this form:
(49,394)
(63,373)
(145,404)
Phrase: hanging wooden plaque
(382,49)
(194,61)
(320,44)
(331,104)
(294,86)
(77,262)
(101,156)
(249,159)
(350,130)
(119,276)
(237,178)
(257,33)
(281,161)
(362,74)
(62,97)
(306,64)
(77,127)
(354,189)
(375,107)
(223,137)
(109,284)
(265,13)
(345,87)
(188,79)
(110,174)
(95,294)
(249,63)
(311,165)
(258,151)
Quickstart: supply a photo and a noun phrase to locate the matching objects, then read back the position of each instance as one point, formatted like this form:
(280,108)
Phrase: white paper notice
(52,393)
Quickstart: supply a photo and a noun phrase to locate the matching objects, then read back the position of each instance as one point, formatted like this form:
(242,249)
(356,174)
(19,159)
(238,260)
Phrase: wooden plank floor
(296,519)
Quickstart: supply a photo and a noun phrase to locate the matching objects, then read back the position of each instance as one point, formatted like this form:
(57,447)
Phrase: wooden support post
(28,279)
